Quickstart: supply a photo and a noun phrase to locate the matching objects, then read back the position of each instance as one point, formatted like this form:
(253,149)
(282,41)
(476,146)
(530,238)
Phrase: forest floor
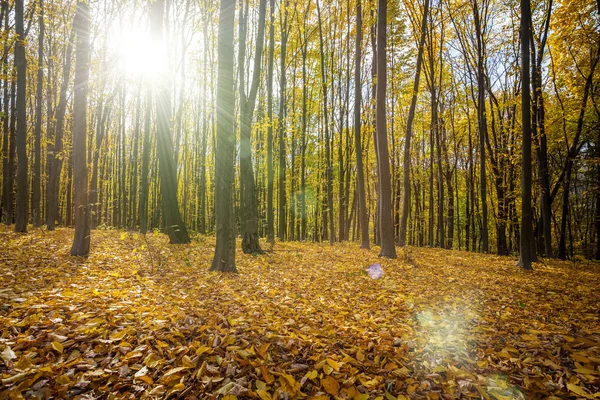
(143,319)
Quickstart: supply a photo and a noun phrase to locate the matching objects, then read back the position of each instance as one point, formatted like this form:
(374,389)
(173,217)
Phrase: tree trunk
(409,129)
(360,178)
(81,240)
(270,213)
(248,197)
(174,224)
(482,126)
(39,100)
(57,158)
(329,167)
(386,221)
(21,134)
(527,244)
(224,258)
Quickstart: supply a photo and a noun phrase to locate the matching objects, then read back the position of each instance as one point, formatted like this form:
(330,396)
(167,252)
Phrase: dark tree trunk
(39,100)
(248,196)
(527,244)
(21,134)
(81,240)
(482,125)
(224,259)
(386,221)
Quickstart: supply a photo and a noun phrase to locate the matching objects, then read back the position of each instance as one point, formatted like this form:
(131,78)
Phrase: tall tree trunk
(409,129)
(329,167)
(571,155)
(270,213)
(81,239)
(57,158)
(360,177)
(248,195)
(174,224)
(482,125)
(527,244)
(144,184)
(224,258)
(386,221)
(39,100)
(21,134)
(282,128)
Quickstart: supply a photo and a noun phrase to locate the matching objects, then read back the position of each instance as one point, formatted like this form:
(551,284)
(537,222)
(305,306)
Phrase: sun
(139,55)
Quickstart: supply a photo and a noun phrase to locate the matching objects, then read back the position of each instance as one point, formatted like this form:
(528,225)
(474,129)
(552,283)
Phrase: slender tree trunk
(81,240)
(282,128)
(174,224)
(329,167)
(527,244)
(248,196)
(409,129)
(57,158)
(144,184)
(482,125)
(39,100)
(360,178)
(21,134)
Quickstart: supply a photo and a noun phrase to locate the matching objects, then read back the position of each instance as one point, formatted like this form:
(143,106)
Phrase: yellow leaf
(267,376)
(331,385)
(578,390)
(312,374)
(334,364)
(262,350)
(57,346)
(202,349)
(263,394)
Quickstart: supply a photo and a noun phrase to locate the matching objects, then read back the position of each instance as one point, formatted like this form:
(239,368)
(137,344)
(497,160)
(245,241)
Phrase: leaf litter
(143,319)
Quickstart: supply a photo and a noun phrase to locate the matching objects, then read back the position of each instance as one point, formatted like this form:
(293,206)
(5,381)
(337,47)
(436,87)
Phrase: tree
(360,178)
(39,101)
(478,16)
(174,224)
(409,129)
(21,136)
(329,167)
(386,222)
(248,198)
(224,258)
(81,25)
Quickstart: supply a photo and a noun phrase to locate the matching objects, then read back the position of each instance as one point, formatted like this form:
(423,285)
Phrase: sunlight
(139,55)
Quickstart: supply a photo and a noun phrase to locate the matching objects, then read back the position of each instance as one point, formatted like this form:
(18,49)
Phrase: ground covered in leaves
(143,319)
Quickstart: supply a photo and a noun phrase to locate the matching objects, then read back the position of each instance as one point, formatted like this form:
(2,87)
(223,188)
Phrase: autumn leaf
(330,385)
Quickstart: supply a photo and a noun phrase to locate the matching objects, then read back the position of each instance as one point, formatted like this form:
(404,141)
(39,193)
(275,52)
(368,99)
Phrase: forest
(281,199)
